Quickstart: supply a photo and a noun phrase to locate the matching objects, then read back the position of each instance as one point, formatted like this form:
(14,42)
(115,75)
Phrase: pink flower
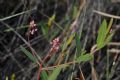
(55,45)
(32,27)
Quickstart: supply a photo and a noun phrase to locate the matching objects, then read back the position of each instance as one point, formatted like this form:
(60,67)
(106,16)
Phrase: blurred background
(57,18)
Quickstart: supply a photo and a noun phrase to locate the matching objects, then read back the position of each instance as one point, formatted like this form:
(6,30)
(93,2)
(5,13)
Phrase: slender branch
(106,14)
(61,65)
(3,19)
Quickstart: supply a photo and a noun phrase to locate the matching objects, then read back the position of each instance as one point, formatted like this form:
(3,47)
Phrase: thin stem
(106,14)
(61,65)
(39,71)
(47,56)
(107,69)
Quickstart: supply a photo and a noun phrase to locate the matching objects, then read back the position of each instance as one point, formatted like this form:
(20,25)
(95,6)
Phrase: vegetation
(59,40)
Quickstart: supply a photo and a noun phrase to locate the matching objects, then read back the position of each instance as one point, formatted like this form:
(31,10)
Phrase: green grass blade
(78,44)
(55,73)
(109,25)
(44,75)
(102,34)
(28,54)
(51,19)
(70,39)
(85,57)
(44,28)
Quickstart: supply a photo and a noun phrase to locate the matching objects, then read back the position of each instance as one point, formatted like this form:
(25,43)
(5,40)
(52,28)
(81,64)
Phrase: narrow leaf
(64,46)
(78,44)
(101,34)
(44,75)
(44,28)
(51,19)
(67,42)
(28,54)
(85,57)
(109,25)
(55,73)
(70,39)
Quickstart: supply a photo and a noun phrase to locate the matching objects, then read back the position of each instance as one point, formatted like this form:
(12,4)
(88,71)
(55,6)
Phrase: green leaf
(109,35)
(51,19)
(78,44)
(109,38)
(70,39)
(55,73)
(28,54)
(64,45)
(44,29)
(44,75)
(85,57)
(102,34)
(109,25)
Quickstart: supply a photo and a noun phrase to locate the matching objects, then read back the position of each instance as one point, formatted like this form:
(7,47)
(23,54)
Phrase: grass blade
(109,25)
(70,39)
(44,75)
(28,54)
(55,73)
(44,29)
(78,44)
(85,57)
(51,19)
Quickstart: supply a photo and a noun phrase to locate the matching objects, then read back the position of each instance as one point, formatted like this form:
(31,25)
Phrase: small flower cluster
(32,27)
(55,45)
